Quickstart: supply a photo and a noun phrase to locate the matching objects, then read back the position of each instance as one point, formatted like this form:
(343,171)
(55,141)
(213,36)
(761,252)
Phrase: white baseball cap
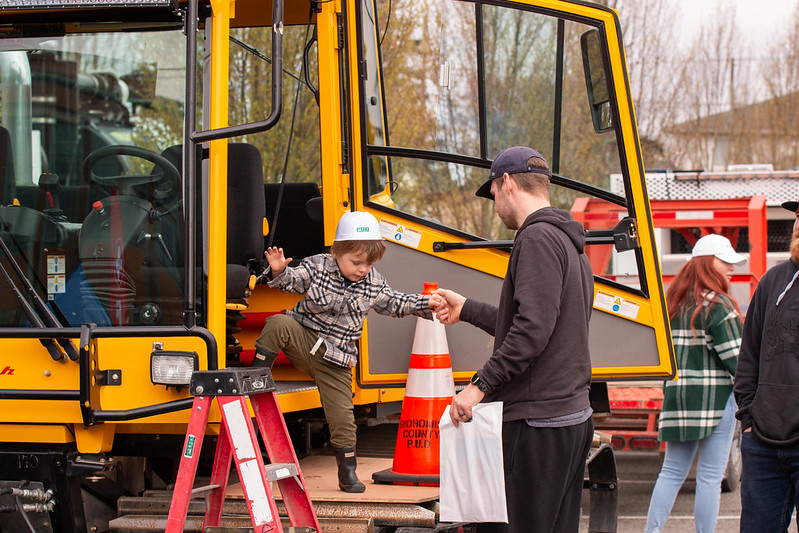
(717,246)
(358,226)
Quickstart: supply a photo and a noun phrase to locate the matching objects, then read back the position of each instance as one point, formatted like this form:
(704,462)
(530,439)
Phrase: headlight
(172,368)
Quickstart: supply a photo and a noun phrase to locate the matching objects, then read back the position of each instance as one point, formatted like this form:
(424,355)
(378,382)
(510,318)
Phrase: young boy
(318,336)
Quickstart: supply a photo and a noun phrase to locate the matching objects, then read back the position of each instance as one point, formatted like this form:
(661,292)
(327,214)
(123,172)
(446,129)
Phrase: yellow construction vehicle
(151,149)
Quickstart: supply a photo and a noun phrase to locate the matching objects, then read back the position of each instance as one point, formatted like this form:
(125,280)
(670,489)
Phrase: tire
(732,474)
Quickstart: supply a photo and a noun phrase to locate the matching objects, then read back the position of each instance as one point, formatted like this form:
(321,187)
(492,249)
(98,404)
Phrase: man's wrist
(478,382)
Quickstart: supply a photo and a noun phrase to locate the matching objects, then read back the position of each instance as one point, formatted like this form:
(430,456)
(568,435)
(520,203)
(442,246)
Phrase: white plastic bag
(472,472)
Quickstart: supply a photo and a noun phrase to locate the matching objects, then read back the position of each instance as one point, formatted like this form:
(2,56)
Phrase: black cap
(512,160)
(790,206)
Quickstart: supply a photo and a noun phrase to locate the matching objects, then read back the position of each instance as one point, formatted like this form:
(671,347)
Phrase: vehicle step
(149,513)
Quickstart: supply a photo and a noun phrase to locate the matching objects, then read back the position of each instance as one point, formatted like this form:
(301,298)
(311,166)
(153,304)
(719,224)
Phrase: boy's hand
(277,261)
(436,302)
(447,305)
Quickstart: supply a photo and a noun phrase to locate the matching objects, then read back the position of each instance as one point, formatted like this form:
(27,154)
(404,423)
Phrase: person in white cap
(318,336)
(698,413)
(767,392)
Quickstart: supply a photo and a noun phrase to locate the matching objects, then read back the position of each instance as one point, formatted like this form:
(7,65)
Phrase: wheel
(732,474)
(164,170)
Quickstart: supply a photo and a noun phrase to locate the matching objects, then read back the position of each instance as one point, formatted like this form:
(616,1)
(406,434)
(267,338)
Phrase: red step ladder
(238,442)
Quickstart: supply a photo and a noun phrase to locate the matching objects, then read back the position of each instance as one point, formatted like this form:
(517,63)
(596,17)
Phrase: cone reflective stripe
(428,392)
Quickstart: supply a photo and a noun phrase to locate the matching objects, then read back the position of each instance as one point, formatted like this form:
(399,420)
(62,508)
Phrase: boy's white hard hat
(358,226)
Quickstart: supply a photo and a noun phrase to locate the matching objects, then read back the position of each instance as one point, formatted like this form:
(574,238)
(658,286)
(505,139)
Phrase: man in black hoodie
(540,367)
(767,393)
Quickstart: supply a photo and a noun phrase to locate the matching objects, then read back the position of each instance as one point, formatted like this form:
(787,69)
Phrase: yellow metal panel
(95,439)
(41,411)
(32,433)
(299,401)
(133,356)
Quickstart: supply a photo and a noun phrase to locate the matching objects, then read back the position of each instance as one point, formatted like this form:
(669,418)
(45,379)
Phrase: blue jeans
(769,486)
(713,453)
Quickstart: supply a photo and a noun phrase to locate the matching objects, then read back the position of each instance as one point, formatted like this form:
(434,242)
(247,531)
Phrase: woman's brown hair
(694,280)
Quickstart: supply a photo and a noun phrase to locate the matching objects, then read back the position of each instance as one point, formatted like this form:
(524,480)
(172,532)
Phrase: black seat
(299,229)
(245,237)
(246,206)
(7,177)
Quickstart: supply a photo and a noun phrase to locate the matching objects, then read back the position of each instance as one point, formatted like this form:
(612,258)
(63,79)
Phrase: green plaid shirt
(335,310)
(693,403)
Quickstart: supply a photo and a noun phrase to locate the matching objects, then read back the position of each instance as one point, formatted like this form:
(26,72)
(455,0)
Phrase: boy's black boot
(263,358)
(347,479)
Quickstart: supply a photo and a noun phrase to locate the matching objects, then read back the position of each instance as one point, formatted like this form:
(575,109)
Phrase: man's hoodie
(767,378)
(541,366)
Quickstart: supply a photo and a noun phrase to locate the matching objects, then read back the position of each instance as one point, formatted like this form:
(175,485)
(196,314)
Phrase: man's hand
(447,305)
(277,261)
(462,403)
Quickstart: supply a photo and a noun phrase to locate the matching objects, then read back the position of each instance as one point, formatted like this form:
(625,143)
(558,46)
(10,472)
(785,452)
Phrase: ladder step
(202,490)
(278,471)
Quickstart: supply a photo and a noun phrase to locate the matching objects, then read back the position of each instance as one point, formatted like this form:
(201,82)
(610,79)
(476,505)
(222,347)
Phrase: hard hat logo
(358,226)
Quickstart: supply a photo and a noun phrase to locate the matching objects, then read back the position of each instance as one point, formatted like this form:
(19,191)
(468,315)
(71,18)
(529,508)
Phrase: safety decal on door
(400,234)
(616,304)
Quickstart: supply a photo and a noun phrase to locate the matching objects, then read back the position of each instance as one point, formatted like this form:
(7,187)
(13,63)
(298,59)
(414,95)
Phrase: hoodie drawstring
(787,287)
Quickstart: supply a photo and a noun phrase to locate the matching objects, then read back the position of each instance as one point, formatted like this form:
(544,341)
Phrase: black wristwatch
(479,383)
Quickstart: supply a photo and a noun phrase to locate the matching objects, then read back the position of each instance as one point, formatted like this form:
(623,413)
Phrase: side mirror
(596,81)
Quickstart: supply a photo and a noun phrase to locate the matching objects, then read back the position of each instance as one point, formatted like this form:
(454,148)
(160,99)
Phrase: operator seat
(7,183)
(245,237)
(246,210)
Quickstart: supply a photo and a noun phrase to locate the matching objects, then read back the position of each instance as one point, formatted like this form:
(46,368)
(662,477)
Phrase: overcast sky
(760,17)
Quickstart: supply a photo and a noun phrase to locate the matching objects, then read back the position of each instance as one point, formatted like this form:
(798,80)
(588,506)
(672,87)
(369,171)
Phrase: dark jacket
(767,379)
(541,366)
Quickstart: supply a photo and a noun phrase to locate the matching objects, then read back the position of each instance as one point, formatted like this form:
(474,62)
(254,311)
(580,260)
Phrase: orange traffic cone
(428,392)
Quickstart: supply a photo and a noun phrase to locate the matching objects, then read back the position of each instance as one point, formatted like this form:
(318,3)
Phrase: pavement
(637,472)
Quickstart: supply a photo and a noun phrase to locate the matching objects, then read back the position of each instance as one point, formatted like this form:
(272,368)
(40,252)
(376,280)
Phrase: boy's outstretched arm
(277,261)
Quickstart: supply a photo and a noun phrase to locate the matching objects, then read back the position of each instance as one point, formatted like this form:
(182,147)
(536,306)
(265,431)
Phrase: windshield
(90,176)
(460,81)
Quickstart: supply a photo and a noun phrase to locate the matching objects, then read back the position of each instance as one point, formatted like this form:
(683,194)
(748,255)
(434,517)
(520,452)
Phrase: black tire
(732,474)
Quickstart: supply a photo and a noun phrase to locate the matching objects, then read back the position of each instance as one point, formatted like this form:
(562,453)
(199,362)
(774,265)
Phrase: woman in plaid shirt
(698,414)
(318,336)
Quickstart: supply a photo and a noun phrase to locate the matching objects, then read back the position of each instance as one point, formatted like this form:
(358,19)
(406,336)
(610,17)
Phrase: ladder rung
(205,488)
(278,471)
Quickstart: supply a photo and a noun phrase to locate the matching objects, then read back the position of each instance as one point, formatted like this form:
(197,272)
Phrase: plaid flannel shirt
(337,311)
(693,404)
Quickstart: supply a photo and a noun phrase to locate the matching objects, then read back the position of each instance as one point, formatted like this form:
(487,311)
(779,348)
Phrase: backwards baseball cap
(790,206)
(512,160)
(358,226)
(717,246)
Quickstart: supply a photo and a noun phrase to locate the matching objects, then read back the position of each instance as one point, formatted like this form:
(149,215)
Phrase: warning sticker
(616,304)
(56,264)
(56,283)
(399,233)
